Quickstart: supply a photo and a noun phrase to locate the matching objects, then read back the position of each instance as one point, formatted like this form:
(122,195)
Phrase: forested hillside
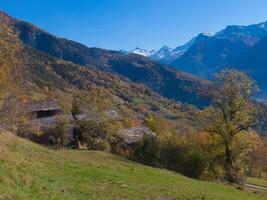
(162,79)
(42,76)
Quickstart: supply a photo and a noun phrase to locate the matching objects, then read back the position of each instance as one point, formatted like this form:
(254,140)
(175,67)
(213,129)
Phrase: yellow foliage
(9,63)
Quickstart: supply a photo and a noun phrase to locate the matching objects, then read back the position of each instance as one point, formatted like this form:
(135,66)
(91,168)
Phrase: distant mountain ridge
(208,53)
(240,47)
(165,54)
(254,61)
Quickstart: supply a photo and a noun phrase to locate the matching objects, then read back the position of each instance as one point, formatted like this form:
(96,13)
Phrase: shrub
(146,151)
(182,158)
(94,134)
(59,135)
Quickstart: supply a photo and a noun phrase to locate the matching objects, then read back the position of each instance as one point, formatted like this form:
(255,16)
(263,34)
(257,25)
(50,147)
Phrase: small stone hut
(46,114)
(44,109)
(135,134)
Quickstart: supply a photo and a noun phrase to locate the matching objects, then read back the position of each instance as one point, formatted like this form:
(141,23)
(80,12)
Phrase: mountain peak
(138,48)
(142,52)
(165,48)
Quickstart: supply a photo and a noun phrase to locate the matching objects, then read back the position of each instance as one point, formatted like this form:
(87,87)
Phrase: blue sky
(125,24)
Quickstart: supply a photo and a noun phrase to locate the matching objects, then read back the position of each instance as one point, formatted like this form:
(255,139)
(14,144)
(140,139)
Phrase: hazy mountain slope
(211,51)
(168,82)
(254,61)
(126,96)
(30,171)
(165,80)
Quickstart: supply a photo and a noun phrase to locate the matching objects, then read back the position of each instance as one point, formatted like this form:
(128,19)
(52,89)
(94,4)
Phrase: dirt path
(258,187)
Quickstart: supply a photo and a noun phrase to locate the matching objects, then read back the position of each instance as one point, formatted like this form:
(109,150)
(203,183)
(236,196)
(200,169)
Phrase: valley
(85,122)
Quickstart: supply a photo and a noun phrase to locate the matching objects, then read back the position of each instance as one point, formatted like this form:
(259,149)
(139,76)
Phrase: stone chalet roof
(43,106)
(46,122)
(135,134)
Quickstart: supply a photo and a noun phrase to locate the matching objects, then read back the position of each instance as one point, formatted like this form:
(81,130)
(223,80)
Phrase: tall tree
(232,113)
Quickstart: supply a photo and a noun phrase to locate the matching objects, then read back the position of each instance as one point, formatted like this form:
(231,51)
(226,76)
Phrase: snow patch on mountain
(161,53)
(207,34)
(142,52)
(165,54)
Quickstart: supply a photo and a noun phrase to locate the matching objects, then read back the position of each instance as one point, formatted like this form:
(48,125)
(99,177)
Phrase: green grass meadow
(30,171)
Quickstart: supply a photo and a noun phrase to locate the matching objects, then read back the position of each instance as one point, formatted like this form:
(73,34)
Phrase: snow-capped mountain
(210,52)
(241,47)
(143,52)
(165,54)
(161,53)
(180,50)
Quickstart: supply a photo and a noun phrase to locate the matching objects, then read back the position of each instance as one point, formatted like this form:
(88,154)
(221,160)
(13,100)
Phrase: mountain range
(165,54)
(240,47)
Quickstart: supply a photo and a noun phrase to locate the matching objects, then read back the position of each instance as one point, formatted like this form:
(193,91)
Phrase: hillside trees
(186,151)
(231,115)
(10,76)
(93,102)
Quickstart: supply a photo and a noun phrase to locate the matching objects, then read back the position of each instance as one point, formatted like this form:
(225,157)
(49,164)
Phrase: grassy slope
(28,171)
